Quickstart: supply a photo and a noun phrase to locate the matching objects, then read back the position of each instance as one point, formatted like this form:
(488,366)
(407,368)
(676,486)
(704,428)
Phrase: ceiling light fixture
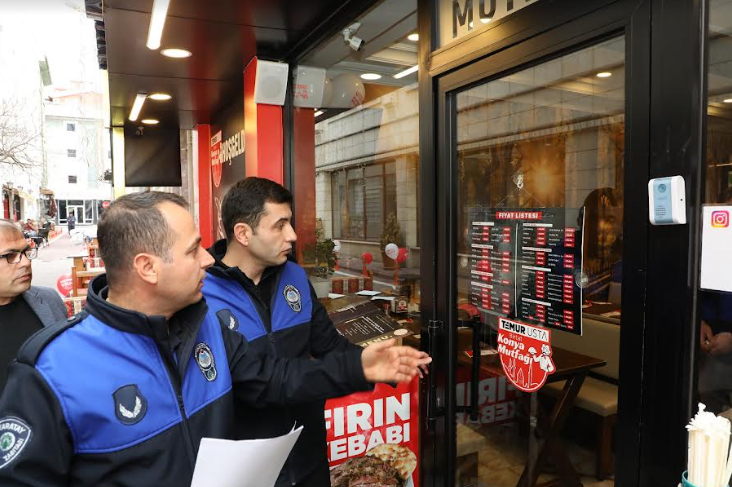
(370,76)
(604,74)
(485,20)
(160,97)
(727,100)
(150,121)
(319,113)
(157,22)
(406,72)
(413,37)
(137,106)
(176,53)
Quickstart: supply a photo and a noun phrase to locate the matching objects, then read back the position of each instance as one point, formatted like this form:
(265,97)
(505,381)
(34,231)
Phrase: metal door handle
(477,325)
(433,410)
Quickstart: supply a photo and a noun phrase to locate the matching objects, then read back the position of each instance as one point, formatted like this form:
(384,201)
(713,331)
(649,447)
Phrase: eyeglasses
(15,257)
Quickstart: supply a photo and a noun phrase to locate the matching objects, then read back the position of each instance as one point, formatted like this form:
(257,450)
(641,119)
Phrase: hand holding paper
(246,463)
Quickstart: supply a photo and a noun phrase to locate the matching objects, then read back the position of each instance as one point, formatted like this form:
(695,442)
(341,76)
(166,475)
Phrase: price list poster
(524,263)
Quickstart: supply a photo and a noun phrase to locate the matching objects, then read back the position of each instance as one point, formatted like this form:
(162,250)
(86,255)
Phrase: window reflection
(715,307)
(363,146)
(548,137)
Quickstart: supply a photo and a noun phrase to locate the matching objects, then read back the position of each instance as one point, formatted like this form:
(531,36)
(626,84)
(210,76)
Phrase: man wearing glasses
(23,309)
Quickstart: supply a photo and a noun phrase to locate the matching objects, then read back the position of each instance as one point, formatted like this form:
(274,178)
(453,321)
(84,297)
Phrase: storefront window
(356,157)
(62,215)
(88,211)
(715,299)
(540,173)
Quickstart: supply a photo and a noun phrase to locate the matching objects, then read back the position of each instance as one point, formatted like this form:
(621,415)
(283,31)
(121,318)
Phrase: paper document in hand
(245,463)
(367,293)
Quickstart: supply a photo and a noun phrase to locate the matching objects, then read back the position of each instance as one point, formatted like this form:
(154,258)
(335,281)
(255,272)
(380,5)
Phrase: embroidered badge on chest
(130,406)
(14,436)
(292,296)
(227,319)
(205,360)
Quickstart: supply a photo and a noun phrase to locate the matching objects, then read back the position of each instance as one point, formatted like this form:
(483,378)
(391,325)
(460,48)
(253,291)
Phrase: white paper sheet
(245,463)
(367,293)
(716,260)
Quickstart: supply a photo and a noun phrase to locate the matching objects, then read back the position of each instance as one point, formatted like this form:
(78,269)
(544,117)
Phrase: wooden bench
(599,393)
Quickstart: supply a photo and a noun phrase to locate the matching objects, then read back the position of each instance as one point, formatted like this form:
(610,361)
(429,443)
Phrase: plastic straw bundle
(710,463)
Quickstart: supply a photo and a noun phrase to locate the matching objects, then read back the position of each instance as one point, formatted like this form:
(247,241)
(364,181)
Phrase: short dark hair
(244,202)
(133,224)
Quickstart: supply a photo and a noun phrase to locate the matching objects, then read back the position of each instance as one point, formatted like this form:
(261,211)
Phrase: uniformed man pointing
(123,394)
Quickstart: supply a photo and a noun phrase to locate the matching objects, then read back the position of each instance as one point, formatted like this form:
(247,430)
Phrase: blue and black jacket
(118,398)
(281,317)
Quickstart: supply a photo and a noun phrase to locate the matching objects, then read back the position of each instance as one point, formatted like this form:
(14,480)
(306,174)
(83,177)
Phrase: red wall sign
(526,354)
(216,158)
(379,428)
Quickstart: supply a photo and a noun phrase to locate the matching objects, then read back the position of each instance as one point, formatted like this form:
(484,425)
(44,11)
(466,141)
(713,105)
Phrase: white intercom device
(667,201)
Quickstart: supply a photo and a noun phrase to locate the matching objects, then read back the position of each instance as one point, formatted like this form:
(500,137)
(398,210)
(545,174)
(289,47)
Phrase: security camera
(355,43)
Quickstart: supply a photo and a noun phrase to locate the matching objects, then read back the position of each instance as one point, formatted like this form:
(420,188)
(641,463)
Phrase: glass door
(539,172)
(78,212)
(533,170)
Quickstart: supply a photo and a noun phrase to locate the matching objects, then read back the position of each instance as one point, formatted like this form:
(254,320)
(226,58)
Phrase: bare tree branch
(17,139)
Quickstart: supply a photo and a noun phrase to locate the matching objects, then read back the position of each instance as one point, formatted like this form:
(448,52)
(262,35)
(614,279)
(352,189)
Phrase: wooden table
(573,368)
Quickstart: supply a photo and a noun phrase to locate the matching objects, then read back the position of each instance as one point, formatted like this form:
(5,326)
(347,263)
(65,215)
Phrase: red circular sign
(64,285)
(105,204)
(526,354)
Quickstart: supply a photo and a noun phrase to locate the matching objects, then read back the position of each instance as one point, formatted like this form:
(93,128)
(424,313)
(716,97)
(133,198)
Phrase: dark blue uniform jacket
(281,317)
(114,398)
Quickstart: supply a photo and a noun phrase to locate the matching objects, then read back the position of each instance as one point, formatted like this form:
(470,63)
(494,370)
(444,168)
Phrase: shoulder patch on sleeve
(227,319)
(32,348)
(15,434)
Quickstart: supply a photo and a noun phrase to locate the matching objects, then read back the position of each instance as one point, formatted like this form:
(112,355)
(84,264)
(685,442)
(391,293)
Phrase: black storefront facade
(561,106)
(665,97)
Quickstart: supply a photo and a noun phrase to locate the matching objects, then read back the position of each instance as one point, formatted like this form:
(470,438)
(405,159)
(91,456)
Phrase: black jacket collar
(134,322)
(219,269)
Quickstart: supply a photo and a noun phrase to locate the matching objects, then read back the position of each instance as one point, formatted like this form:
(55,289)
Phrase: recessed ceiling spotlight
(176,53)
(150,121)
(471,25)
(413,37)
(485,20)
(370,76)
(160,96)
(727,100)
(604,74)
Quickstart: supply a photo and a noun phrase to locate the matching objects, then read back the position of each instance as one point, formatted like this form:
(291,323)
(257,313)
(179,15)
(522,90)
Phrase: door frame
(567,29)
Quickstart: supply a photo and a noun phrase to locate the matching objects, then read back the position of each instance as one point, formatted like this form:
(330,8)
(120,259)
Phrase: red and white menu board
(525,263)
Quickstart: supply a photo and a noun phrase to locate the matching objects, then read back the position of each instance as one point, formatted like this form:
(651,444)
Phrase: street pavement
(53,261)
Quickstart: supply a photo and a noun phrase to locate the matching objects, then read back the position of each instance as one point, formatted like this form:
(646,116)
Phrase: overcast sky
(57,29)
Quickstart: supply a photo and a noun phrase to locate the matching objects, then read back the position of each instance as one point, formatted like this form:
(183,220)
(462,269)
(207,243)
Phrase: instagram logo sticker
(720,219)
